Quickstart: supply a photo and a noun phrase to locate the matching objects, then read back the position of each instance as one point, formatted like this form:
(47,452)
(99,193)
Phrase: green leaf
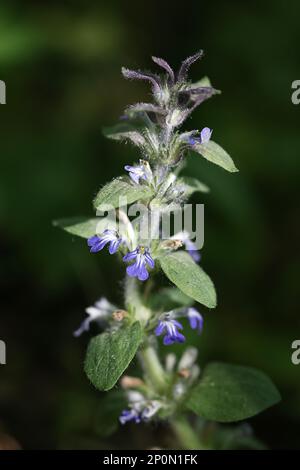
(215,154)
(118,188)
(192,185)
(124,131)
(169,298)
(228,393)
(110,353)
(204,81)
(80,226)
(180,268)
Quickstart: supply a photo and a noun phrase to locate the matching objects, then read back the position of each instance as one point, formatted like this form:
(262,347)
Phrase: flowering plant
(166,387)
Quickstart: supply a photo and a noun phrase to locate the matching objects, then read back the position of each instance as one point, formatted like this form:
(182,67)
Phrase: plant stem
(133,301)
(149,359)
(153,368)
(186,435)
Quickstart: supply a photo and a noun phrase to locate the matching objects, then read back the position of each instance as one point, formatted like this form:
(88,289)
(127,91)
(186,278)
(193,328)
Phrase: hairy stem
(149,359)
(134,303)
(153,369)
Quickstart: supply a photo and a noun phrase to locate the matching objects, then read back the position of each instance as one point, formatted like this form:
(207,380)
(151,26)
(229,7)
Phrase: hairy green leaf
(204,81)
(120,191)
(124,131)
(192,185)
(180,268)
(80,226)
(169,298)
(215,154)
(228,393)
(110,353)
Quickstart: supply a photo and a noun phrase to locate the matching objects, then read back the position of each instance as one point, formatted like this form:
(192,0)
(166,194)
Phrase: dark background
(61,63)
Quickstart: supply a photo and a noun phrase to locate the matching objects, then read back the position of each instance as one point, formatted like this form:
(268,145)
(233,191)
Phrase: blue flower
(97,243)
(136,172)
(195,319)
(130,415)
(170,328)
(141,171)
(203,138)
(141,409)
(142,258)
(101,310)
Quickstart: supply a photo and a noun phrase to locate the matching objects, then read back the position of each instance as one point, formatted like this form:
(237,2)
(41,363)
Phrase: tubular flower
(203,138)
(195,318)
(97,243)
(142,258)
(141,171)
(169,327)
(140,409)
(99,311)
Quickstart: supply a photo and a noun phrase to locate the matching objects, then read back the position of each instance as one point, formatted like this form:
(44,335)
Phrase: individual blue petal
(92,240)
(114,245)
(132,270)
(193,322)
(159,329)
(179,338)
(149,260)
(177,324)
(128,167)
(195,319)
(98,246)
(168,340)
(131,255)
(135,177)
(205,135)
(143,274)
(171,339)
(85,325)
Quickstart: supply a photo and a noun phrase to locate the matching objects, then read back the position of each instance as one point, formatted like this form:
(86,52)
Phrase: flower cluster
(162,147)
(141,255)
(183,373)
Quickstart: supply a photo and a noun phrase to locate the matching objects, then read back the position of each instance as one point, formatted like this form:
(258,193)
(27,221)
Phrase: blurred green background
(61,63)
